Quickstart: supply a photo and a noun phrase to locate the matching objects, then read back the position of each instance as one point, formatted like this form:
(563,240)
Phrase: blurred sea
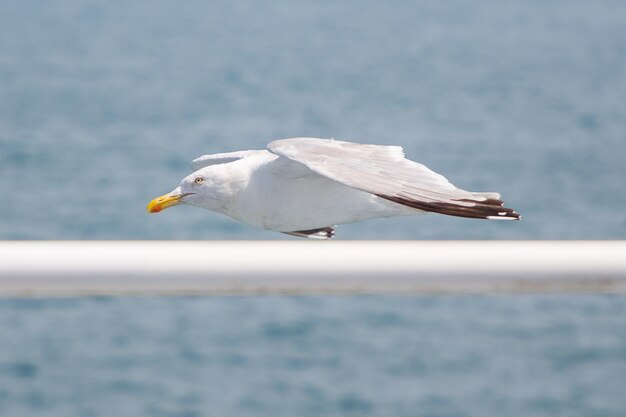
(398,356)
(104,103)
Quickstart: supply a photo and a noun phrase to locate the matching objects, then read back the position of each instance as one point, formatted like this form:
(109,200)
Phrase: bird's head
(196,189)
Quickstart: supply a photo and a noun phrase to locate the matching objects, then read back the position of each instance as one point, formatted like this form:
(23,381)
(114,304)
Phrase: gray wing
(385,172)
(218,158)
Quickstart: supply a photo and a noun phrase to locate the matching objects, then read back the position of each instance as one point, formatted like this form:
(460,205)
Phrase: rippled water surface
(104,103)
(314,356)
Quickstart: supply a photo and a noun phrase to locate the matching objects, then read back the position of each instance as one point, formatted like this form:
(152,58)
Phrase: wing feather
(218,158)
(385,172)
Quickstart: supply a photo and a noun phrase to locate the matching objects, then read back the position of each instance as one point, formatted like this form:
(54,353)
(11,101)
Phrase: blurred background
(103,104)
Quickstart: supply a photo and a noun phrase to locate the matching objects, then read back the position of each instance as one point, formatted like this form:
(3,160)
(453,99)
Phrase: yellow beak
(163,202)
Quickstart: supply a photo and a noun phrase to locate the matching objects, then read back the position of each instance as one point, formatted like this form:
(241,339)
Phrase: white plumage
(304,186)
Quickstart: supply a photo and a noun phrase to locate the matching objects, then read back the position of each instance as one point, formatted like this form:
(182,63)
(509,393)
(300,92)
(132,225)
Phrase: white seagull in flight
(306,186)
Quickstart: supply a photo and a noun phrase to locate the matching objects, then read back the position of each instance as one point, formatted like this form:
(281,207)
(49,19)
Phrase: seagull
(306,186)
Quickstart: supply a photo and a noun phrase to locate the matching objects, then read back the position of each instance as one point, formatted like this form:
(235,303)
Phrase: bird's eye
(198,180)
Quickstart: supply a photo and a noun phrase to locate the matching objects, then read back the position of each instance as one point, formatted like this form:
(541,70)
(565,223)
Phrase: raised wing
(218,158)
(383,171)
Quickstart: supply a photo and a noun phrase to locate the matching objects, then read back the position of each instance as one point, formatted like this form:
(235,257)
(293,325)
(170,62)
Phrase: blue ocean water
(312,356)
(104,103)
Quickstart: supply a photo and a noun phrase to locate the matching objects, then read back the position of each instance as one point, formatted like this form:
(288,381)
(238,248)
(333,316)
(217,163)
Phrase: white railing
(310,267)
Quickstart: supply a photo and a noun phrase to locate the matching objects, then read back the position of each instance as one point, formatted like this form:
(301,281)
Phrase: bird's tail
(495,196)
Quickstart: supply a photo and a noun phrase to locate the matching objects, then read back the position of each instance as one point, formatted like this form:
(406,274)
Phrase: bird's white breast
(283,195)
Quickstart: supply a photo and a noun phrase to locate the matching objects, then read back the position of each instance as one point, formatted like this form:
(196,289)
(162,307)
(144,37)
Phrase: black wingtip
(490,209)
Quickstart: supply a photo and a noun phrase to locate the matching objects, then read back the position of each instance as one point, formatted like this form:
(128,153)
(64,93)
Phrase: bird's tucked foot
(321,233)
